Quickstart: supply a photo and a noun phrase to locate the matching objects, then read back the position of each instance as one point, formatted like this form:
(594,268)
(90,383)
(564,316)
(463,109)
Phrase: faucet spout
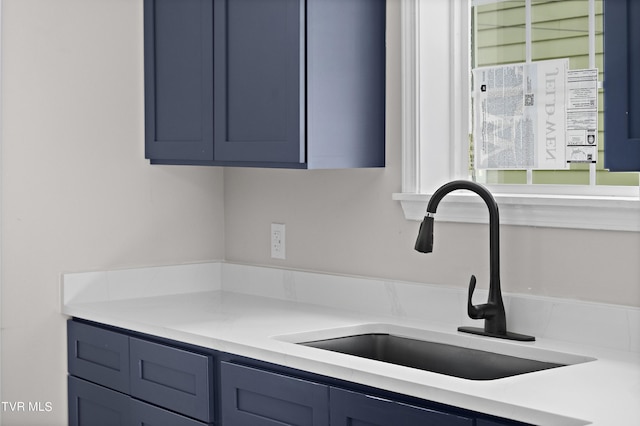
(492,312)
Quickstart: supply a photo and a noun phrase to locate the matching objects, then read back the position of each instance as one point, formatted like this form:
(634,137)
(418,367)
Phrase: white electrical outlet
(277,241)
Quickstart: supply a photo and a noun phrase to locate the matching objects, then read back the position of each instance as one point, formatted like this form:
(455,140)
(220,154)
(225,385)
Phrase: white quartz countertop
(602,392)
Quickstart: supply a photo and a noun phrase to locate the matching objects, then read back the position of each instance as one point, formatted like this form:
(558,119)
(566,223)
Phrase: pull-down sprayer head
(424,243)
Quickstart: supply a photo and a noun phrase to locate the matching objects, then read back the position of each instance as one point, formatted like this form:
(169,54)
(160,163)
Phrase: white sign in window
(582,116)
(538,116)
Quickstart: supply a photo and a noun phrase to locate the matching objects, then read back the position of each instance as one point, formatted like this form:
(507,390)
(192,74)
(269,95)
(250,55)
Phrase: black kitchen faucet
(495,321)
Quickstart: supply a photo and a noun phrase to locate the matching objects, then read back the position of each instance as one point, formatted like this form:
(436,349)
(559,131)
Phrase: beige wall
(345,222)
(77,193)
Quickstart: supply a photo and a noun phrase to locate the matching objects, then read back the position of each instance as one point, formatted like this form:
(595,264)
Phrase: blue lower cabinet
(93,405)
(119,377)
(352,408)
(254,397)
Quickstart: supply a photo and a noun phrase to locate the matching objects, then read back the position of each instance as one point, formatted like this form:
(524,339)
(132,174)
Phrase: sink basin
(450,354)
(441,358)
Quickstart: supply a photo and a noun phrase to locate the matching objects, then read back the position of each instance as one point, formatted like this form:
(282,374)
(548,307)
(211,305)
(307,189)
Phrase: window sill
(614,213)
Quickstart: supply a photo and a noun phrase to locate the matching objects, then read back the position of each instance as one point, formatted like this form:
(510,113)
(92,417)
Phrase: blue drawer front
(260,398)
(351,408)
(98,355)
(176,379)
(93,405)
(143,414)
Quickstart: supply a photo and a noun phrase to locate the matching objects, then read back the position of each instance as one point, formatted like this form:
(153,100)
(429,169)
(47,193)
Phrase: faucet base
(509,335)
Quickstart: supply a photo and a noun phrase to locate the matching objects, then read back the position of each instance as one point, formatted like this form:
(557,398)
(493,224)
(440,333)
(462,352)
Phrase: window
(518,31)
(437,59)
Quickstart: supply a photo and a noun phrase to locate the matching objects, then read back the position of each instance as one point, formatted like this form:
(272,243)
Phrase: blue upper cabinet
(622,85)
(265,83)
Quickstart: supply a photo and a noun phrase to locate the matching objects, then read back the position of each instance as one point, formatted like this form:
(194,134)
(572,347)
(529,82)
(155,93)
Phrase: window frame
(434,114)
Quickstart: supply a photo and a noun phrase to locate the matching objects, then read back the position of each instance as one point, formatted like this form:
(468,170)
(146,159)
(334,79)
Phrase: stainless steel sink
(441,358)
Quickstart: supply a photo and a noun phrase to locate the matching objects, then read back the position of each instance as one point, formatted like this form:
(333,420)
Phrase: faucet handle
(472,310)
(489,311)
(486,310)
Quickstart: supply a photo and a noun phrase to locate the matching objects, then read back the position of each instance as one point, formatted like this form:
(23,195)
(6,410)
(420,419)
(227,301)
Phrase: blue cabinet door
(178,61)
(259,93)
(93,405)
(352,408)
(260,398)
(622,85)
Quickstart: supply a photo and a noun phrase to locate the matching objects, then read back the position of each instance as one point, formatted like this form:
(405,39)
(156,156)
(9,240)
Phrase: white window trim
(429,159)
